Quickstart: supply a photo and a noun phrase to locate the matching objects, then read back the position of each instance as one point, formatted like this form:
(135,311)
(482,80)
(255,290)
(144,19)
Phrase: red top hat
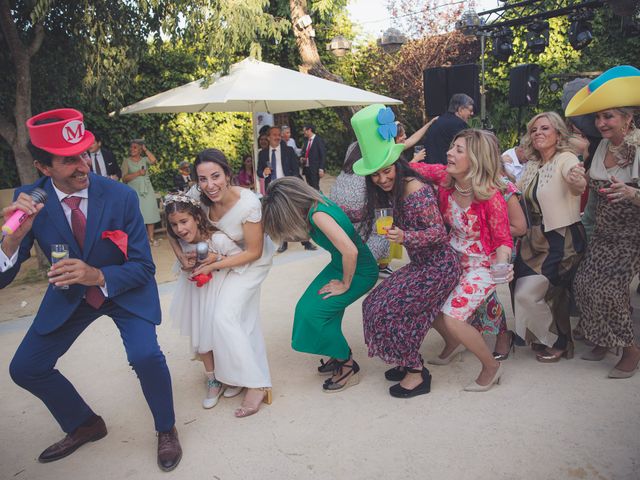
(63,135)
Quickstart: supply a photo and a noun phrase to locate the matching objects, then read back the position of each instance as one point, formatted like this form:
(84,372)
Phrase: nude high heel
(247,411)
(475,387)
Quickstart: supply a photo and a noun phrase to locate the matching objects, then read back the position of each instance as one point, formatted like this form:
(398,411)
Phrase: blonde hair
(485,172)
(285,209)
(563,145)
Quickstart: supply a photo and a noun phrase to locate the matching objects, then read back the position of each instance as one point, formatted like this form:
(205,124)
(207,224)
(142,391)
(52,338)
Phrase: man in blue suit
(98,279)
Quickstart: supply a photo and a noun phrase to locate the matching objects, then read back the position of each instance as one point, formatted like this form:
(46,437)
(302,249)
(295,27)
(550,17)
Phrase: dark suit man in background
(314,156)
(183,180)
(103,161)
(277,161)
(99,278)
(438,138)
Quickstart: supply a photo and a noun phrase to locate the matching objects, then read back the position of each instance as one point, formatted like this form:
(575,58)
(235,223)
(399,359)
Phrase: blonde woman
(552,184)
(294,211)
(471,201)
(613,259)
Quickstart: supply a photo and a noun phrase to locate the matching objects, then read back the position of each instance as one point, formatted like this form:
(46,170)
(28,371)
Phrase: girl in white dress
(192,307)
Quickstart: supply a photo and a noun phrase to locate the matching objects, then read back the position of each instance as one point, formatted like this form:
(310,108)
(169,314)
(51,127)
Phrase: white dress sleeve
(252,208)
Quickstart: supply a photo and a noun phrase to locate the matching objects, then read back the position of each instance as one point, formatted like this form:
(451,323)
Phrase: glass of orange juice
(384,220)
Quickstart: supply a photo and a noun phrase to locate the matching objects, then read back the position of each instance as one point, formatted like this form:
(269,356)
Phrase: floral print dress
(475,284)
(398,313)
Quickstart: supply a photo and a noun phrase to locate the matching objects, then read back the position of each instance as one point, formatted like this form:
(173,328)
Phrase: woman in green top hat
(294,211)
(398,313)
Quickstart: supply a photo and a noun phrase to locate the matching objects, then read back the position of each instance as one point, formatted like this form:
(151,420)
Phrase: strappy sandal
(327,368)
(351,376)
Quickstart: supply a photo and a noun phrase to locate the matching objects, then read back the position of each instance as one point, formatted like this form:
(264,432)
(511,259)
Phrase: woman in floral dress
(471,201)
(398,313)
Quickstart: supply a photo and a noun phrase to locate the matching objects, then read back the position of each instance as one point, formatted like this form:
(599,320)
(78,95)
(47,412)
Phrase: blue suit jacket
(130,283)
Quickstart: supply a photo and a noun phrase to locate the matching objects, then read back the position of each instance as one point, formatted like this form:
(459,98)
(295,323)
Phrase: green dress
(144,189)
(317,326)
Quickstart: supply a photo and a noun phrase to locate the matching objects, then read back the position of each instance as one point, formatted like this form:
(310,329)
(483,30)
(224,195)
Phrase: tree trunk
(311,62)
(16,134)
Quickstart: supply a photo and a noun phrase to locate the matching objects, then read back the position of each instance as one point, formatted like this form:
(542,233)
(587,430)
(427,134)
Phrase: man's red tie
(93,296)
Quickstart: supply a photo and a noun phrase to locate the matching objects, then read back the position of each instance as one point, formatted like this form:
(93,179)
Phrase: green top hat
(375,129)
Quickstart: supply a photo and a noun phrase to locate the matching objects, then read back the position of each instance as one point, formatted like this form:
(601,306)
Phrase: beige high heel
(243,411)
(476,387)
(447,360)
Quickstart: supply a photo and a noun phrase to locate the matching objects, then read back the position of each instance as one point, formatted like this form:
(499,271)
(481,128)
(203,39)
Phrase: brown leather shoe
(92,430)
(169,450)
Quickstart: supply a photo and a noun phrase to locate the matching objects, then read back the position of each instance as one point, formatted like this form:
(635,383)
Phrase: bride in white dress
(241,357)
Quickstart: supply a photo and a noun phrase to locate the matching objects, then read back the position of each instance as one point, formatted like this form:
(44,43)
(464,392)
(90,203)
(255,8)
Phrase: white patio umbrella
(254,86)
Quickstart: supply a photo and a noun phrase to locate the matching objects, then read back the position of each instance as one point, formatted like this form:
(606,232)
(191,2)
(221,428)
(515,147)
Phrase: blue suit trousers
(33,366)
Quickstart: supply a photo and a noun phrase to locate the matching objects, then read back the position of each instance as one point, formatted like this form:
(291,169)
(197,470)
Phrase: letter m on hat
(73,131)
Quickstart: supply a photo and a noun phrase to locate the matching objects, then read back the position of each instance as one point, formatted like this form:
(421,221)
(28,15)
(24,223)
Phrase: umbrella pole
(254,130)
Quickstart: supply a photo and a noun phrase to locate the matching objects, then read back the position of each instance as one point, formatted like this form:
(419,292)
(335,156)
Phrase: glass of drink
(384,220)
(59,251)
(500,272)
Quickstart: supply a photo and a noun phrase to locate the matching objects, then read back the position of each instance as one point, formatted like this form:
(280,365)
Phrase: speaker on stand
(524,88)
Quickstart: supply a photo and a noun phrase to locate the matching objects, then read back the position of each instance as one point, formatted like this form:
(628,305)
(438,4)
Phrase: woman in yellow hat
(613,259)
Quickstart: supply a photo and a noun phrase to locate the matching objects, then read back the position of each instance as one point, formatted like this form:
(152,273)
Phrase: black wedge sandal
(351,376)
(395,374)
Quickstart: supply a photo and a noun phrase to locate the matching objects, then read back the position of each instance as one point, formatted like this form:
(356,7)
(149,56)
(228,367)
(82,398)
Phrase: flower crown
(180,198)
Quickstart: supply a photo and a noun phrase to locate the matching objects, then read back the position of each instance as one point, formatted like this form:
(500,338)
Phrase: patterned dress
(349,193)
(490,317)
(475,284)
(612,260)
(399,312)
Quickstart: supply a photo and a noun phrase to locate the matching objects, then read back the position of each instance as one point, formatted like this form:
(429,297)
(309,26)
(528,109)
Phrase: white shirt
(6,263)
(280,172)
(292,143)
(514,169)
(97,157)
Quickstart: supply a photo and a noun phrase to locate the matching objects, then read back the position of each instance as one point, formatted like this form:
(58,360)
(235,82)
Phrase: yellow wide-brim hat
(617,87)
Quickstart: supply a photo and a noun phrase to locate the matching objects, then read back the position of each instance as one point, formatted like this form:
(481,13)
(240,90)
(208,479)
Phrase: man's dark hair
(459,100)
(310,126)
(39,155)
(98,136)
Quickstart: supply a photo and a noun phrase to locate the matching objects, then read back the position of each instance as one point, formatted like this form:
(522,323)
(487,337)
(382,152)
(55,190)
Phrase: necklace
(465,192)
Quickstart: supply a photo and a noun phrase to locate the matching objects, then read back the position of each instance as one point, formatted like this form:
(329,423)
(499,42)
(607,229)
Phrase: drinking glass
(500,272)
(59,251)
(384,220)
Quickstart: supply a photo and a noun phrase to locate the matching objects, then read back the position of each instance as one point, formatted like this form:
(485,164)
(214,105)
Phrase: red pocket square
(119,238)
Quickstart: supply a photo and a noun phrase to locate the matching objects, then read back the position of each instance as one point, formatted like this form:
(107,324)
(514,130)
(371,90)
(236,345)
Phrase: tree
(107,40)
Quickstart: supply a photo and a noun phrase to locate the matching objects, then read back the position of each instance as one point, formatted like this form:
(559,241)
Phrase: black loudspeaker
(441,83)
(524,85)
